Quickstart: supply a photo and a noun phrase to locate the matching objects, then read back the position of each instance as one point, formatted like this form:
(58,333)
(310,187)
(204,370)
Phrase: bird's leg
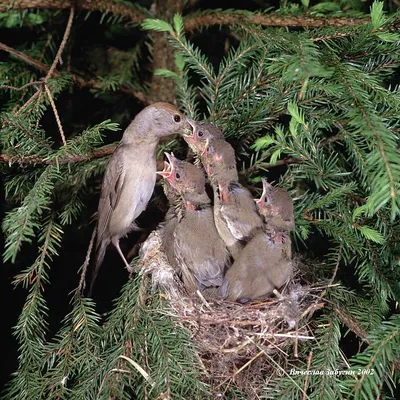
(128,267)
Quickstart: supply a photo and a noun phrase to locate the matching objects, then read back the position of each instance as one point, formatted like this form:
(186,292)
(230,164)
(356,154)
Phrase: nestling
(265,263)
(130,176)
(261,267)
(235,213)
(276,207)
(199,250)
(202,132)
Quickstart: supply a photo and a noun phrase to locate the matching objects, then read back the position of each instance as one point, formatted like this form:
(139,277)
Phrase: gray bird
(173,215)
(265,263)
(276,208)
(261,267)
(130,176)
(219,161)
(235,212)
(198,248)
(202,132)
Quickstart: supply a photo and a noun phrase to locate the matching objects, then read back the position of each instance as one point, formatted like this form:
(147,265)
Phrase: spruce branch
(73,158)
(77,80)
(134,13)
(25,58)
(192,22)
(238,17)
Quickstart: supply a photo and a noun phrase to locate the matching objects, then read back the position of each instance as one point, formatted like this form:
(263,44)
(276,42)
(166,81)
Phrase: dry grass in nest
(239,346)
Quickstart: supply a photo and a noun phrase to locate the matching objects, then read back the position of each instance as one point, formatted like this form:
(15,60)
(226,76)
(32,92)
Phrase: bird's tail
(100,253)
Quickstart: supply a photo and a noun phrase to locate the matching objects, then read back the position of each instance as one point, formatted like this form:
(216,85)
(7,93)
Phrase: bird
(130,176)
(265,263)
(236,216)
(276,207)
(219,161)
(261,267)
(199,250)
(173,215)
(202,131)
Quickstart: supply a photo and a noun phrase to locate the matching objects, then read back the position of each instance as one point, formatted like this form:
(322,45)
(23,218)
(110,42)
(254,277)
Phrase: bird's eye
(177,118)
(177,175)
(200,134)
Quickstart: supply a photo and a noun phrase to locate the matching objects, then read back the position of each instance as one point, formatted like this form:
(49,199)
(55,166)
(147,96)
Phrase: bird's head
(219,161)
(201,134)
(157,121)
(276,205)
(186,179)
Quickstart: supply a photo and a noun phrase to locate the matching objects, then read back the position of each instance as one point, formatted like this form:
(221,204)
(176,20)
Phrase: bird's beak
(166,172)
(267,187)
(190,133)
(168,166)
(266,190)
(205,151)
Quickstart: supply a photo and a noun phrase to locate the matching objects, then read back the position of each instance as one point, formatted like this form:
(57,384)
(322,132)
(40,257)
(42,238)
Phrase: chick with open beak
(171,217)
(201,133)
(276,207)
(195,245)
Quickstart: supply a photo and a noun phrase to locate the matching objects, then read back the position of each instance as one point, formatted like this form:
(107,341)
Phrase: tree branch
(198,21)
(192,22)
(110,6)
(27,59)
(284,161)
(73,158)
(80,82)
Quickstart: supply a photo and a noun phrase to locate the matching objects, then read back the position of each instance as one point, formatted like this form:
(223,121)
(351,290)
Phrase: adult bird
(130,176)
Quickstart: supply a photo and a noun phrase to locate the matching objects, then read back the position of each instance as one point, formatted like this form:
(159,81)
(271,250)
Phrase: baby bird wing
(197,250)
(111,189)
(241,215)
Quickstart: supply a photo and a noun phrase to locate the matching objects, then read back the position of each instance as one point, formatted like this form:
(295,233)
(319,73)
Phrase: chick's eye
(200,134)
(177,118)
(177,175)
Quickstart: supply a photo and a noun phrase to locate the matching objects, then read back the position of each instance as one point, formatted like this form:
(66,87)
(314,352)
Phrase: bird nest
(239,346)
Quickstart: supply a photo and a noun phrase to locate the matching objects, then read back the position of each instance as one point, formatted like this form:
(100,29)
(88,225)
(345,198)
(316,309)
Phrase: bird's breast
(137,188)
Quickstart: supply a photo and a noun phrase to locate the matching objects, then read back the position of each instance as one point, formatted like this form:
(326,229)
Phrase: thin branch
(109,6)
(80,82)
(18,89)
(82,284)
(197,21)
(57,58)
(284,161)
(53,106)
(27,59)
(28,160)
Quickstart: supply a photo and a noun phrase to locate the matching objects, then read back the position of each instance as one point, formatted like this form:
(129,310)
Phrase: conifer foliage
(307,98)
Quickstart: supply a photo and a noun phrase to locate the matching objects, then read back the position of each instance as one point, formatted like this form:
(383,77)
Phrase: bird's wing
(111,189)
(241,217)
(198,259)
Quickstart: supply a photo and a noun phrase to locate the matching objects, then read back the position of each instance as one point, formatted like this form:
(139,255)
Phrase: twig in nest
(241,369)
(204,301)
